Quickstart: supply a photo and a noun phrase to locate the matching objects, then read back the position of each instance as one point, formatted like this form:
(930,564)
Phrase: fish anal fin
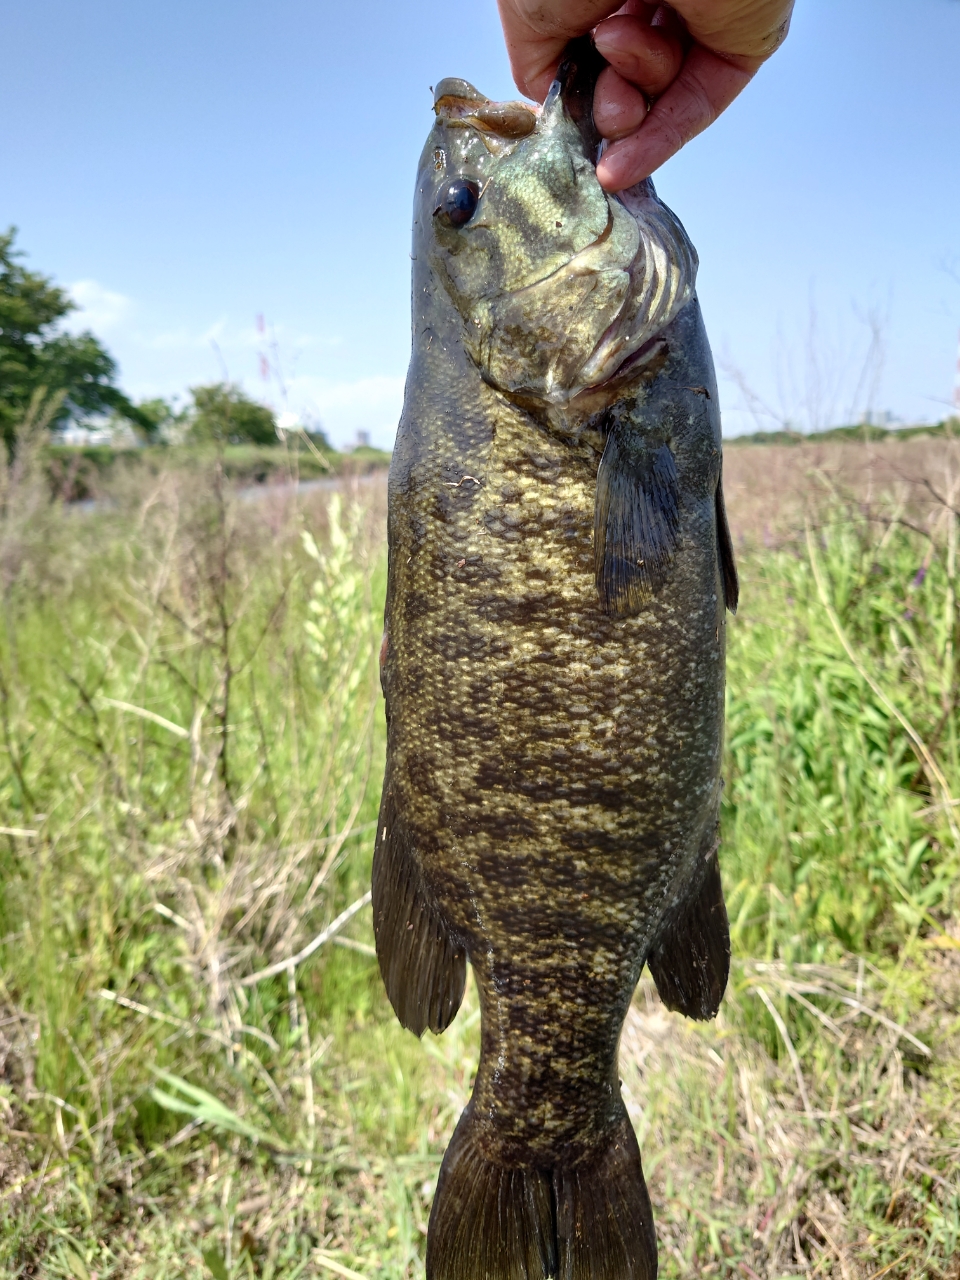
(636,527)
(423,970)
(728,563)
(585,1221)
(691,962)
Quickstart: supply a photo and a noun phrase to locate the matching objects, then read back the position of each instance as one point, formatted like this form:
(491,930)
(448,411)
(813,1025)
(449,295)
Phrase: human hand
(689,60)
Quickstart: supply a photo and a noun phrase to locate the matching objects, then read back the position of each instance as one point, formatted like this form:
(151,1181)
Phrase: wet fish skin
(555,708)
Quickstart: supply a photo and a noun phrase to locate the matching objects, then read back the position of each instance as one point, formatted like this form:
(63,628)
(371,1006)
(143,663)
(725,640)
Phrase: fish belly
(556,770)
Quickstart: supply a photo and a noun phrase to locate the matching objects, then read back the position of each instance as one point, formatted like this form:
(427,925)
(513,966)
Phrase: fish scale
(553,673)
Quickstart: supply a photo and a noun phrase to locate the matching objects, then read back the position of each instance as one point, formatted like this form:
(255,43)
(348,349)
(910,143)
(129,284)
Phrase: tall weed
(838,836)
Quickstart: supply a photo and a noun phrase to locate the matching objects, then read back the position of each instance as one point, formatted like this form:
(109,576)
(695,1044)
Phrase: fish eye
(457,202)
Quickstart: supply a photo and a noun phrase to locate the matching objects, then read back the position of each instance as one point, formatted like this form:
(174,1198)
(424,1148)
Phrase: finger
(536,35)
(706,85)
(648,57)
(618,107)
(646,10)
(753,30)
(533,64)
(670,22)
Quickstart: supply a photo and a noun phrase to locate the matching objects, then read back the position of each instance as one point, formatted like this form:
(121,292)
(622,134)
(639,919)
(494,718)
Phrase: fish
(559,566)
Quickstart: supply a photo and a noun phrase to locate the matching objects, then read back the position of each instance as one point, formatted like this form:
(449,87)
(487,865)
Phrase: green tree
(33,353)
(224,412)
(162,415)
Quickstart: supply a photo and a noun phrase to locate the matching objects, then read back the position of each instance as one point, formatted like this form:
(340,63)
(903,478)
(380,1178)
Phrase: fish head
(559,284)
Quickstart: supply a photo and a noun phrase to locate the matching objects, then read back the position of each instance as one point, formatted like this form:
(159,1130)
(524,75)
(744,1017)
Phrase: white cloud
(173,340)
(99,308)
(367,404)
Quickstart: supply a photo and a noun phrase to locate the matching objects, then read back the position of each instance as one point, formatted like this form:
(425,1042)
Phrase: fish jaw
(559,284)
(574,330)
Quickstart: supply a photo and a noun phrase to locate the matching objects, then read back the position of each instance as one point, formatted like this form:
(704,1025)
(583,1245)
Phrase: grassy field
(191,745)
(90,472)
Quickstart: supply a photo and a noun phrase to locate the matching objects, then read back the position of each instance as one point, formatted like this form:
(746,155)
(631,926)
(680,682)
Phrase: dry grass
(830,1161)
(770,489)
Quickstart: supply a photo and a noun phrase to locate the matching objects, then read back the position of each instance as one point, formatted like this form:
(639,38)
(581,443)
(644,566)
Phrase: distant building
(363,440)
(100,430)
(75,434)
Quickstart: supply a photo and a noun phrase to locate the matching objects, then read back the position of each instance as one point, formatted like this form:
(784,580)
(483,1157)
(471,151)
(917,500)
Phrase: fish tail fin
(691,963)
(588,1221)
(423,970)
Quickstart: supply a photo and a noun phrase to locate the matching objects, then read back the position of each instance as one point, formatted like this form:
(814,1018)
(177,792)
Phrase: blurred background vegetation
(199,1073)
(95,431)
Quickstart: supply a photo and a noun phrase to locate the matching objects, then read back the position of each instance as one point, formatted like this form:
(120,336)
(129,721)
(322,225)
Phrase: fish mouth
(602,364)
(631,362)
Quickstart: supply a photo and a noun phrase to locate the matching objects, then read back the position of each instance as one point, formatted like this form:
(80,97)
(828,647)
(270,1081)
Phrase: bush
(223,412)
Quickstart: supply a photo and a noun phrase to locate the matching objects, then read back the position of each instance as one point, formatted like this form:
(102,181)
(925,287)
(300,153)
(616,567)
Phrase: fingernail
(613,176)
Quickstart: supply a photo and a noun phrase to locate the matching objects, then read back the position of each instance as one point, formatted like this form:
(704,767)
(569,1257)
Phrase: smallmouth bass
(553,668)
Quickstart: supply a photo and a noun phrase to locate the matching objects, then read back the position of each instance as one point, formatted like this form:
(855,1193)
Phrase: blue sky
(188,167)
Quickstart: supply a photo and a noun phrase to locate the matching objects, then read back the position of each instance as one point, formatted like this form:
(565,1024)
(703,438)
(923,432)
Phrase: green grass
(192,745)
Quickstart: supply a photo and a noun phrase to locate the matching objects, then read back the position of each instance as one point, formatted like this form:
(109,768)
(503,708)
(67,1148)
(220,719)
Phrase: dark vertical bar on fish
(553,667)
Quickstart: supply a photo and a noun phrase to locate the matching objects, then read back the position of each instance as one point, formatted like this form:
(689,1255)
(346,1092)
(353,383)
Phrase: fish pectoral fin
(636,528)
(590,1220)
(691,962)
(423,971)
(728,564)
